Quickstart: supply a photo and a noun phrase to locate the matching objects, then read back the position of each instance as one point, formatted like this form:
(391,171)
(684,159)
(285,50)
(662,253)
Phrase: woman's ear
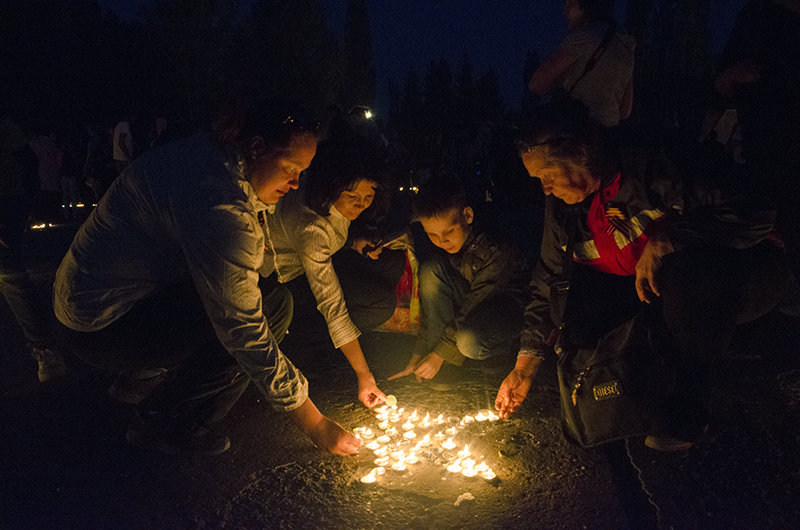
(256,148)
(469,215)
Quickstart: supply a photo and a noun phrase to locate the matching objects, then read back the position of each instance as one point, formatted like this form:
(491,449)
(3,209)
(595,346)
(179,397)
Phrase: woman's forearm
(355,356)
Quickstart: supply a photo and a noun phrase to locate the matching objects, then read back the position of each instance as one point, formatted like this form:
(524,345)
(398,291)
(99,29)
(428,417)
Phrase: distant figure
(47,148)
(18,181)
(760,73)
(161,132)
(123,145)
(594,63)
(96,165)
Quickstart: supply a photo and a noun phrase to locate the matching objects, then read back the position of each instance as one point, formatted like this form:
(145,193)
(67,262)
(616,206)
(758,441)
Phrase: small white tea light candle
(411,459)
(369,478)
(493,416)
(372,445)
(468,419)
(407,426)
(378,471)
(398,455)
(439,436)
(464,452)
(488,475)
(449,444)
(480,416)
(383,439)
(391,431)
(413,415)
(367,434)
(482,467)
(400,465)
(381,451)
(409,435)
(468,468)
(455,467)
(439,419)
(383,425)
(426,440)
(452,431)
(426,421)
(384,460)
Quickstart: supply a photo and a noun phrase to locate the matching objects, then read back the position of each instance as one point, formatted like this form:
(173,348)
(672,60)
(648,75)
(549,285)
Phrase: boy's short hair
(438,196)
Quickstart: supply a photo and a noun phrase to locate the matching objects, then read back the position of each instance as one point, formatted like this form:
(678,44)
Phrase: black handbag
(618,388)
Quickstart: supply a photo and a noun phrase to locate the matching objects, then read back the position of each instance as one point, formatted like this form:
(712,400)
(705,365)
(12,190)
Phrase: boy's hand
(429,367)
(409,369)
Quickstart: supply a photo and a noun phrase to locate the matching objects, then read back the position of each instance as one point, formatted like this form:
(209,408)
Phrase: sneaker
(175,439)
(665,444)
(51,364)
(133,387)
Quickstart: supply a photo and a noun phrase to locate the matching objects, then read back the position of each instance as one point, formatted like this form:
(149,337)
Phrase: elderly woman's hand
(361,244)
(648,265)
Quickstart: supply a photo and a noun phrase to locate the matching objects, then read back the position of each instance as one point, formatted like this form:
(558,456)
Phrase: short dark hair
(437,196)
(340,163)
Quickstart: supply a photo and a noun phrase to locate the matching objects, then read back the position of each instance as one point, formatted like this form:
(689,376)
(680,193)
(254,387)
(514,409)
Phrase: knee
(471,345)
(430,278)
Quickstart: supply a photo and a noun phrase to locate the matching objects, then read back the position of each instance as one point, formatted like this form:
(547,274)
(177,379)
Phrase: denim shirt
(184,210)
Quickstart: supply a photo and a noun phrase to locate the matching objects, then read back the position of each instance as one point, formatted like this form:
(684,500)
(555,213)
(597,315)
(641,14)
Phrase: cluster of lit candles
(403,439)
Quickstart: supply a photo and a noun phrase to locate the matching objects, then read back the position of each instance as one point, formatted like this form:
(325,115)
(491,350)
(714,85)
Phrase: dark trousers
(171,330)
(488,329)
(705,293)
(33,315)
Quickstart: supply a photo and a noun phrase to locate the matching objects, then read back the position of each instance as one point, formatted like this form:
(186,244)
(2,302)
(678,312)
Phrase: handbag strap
(598,52)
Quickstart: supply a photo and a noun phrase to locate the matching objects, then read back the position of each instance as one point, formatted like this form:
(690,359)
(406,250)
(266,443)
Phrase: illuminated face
(571,183)
(573,13)
(273,175)
(449,230)
(352,202)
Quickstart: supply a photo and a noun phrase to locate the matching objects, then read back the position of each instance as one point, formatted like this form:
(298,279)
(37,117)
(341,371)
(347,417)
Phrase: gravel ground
(65,464)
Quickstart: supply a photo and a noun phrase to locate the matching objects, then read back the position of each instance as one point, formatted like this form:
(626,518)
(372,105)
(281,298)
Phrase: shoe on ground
(133,387)
(447,378)
(51,364)
(665,444)
(175,439)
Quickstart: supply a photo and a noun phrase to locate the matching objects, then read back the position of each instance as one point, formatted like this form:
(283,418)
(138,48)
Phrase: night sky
(494,33)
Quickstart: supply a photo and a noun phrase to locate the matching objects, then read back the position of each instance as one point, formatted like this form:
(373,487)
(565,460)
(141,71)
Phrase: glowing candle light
(426,421)
(468,467)
(398,455)
(439,436)
(395,418)
(380,470)
(468,419)
(455,467)
(480,416)
(383,439)
(399,466)
(381,451)
(464,452)
(407,426)
(391,431)
(382,461)
(482,467)
(367,434)
(369,478)
(409,435)
(488,475)
(413,415)
(439,419)
(411,459)
(493,416)
(426,440)
(449,444)
(372,445)
(452,431)
(383,425)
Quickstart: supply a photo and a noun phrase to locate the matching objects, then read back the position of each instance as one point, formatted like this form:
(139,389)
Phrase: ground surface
(64,462)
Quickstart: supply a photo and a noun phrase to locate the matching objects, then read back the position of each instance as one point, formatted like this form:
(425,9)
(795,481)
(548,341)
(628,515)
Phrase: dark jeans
(33,315)
(488,329)
(171,330)
(705,293)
